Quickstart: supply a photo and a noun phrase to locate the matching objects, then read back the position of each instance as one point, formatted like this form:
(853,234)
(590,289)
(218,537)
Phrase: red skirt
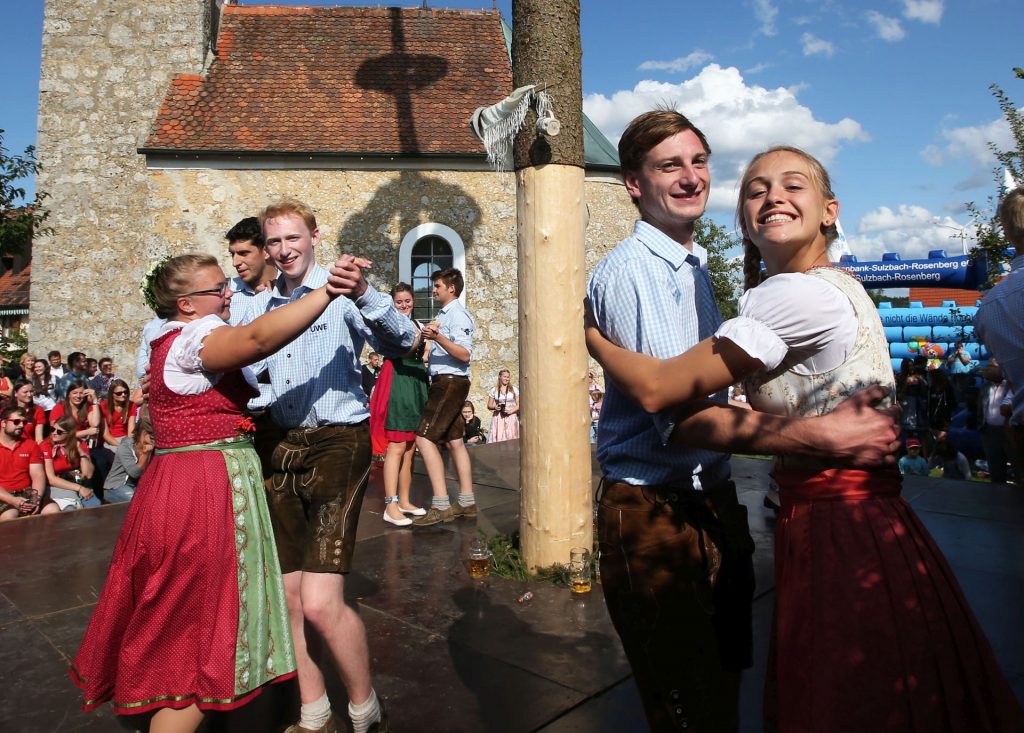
(872,631)
(164,631)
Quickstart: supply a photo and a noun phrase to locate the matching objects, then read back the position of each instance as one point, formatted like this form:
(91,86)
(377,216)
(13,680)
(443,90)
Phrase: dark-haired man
(451,337)
(76,370)
(676,552)
(251,262)
(22,477)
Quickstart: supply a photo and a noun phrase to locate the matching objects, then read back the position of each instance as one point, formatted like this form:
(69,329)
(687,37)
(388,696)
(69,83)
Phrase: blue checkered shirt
(315,380)
(454,322)
(240,302)
(999,323)
(644,298)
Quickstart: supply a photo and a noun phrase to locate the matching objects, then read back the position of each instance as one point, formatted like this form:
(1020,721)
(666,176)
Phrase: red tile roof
(930,297)
(339,80)
(14,287)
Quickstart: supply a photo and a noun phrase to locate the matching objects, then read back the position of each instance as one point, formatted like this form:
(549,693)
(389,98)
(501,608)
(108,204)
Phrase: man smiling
(321,466)
(676,551)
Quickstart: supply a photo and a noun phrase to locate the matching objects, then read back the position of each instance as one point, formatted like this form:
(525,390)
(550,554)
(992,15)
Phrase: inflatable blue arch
(938,271)
(916,330)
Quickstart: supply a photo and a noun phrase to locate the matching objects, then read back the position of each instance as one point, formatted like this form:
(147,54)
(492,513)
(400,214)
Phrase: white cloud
(756,69)
(911,231)
(766,13)
(926,11)
(814,46)
(888,29)
(972,143)
(739,120)
(683,63)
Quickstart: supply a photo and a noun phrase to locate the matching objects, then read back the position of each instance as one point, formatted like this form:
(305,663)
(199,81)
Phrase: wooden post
(555,512)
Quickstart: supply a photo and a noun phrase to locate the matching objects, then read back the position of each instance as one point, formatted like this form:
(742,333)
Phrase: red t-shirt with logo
(14,463)
(34,415)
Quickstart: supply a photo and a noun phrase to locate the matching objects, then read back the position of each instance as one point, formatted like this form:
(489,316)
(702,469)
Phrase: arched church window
(425,250)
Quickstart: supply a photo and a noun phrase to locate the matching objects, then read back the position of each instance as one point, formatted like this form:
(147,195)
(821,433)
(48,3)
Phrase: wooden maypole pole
(554,459)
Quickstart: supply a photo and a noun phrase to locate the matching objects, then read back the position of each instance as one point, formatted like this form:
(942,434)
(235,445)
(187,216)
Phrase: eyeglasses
(120,393)
(220,292)
(16,420)
(58,431)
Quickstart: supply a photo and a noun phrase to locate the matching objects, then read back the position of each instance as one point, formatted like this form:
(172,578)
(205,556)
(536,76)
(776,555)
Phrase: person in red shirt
(118,414)
(68,467)
(81,404)
(35,416)
(22,478)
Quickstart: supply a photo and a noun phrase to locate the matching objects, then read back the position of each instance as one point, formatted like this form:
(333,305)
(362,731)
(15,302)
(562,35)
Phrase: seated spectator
(101,382)
(35,416)
(80,404)
(913,463)
(130,461)
(75,371)
(6,387)
(25,364)
(118,414)
(43,384)
(56,367)
(474,432)
(68,467)
(22,476)
(952,462)
(92,368)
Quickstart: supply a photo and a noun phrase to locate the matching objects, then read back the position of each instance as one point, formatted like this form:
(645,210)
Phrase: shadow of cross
(401,74)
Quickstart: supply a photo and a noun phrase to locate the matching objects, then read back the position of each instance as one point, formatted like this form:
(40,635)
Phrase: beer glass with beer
(479,559)
(579,570)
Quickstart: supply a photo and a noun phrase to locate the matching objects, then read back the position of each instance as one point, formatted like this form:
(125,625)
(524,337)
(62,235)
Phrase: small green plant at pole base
(508,563)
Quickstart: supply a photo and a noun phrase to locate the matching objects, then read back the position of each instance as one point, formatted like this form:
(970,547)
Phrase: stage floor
(450,653)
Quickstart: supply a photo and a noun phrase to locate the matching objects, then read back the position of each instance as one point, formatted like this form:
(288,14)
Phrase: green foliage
(14,344)
(507,562)
(725,272)
(880,296)
(20,219)
(987,231)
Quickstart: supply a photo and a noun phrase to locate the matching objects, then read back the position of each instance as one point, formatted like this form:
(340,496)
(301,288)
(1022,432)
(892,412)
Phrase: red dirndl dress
(872,632)
(193,609)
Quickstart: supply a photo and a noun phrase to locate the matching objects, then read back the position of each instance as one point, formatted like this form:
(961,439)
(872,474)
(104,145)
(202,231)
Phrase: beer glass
(579,570)
(479,559)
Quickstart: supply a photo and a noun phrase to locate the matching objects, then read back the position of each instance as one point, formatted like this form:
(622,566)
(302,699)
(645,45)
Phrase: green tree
(20,219)
(725,271)
(989,234)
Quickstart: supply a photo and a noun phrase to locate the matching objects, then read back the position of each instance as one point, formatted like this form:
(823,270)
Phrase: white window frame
(437,230)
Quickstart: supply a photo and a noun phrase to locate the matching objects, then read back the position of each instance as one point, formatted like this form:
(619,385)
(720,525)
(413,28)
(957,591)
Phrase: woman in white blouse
(193,613)
(871,630)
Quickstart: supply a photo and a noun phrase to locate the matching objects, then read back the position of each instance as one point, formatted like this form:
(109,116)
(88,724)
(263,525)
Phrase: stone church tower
(106,65)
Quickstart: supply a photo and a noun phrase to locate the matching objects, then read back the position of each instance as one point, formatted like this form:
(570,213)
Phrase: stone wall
(369,212)
(106,65)
(105,69)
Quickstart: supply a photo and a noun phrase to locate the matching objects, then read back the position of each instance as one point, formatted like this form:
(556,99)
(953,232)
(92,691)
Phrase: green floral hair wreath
(147,288)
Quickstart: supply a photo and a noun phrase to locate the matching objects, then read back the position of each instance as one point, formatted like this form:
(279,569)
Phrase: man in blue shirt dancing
(320,468)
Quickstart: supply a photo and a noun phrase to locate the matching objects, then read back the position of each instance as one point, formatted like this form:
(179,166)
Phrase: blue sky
(892,95)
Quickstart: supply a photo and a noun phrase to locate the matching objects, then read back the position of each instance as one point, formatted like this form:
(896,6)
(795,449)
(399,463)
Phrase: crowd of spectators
(67,427)
(956,420)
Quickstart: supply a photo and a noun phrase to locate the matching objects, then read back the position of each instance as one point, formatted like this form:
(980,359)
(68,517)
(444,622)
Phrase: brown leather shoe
(329,727)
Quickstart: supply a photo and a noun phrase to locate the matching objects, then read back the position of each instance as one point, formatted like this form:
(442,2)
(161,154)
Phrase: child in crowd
(913,463)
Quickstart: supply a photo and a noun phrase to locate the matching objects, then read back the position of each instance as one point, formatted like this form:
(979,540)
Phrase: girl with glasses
(193,615)
(68,467)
